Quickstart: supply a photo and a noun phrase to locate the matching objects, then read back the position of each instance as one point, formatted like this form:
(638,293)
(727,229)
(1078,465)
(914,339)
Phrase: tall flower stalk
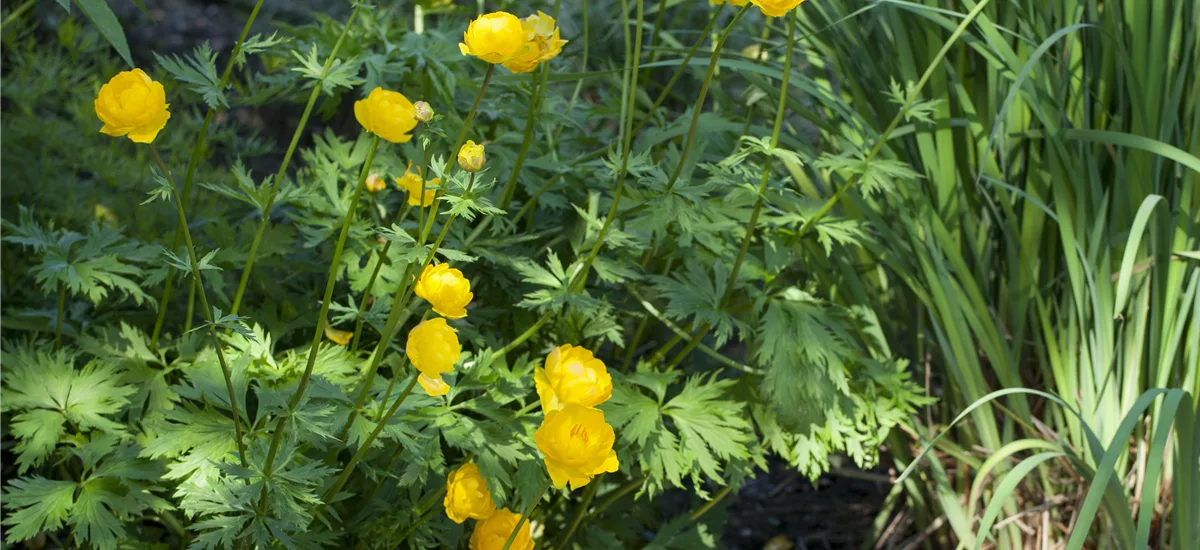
(193,163)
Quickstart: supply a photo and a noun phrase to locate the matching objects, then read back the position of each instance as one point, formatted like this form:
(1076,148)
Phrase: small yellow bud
(470,157)
(424,111)
(375,183)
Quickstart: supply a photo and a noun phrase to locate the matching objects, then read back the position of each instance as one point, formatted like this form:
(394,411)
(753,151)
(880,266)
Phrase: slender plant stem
(366,446)
(362,304)
(193,163)
(58,324)
(626,149)
(360,401)
(752,223)
(615,495)
(462,132)
(529,508)
(17,13)
(537,87)
(208,312)
(265,219)
(709,505)
(330,282)
(588,494)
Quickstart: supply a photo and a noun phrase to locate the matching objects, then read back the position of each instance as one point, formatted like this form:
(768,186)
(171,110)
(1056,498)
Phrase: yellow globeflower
(387,114)
(776,8)
(493,532)
(470,156)
(467,495)
(433,349)
(542,43)
(577,445)
(493,37)
(572,375)
(445,289)
(132,104)
(411,183)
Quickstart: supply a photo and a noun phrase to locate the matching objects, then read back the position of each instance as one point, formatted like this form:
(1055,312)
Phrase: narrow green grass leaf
(1132,245)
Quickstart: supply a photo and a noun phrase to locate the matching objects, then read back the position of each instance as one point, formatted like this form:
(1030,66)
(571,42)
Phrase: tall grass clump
(1039,253)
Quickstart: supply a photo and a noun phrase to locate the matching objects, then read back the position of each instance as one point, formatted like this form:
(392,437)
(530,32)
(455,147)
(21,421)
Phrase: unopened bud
(424,111)
(375,183)
(470,157)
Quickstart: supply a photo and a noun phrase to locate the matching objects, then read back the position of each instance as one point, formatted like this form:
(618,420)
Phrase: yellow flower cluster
(575,440)
(518,44)
(432,345)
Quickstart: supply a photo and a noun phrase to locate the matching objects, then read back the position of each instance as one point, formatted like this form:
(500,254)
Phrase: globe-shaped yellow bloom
(467,495)
(542,43)
(445,289)
(776,8)
(576,443)
(433,349)
(470,156)
(132,104)
(494,37)
(387,114)
(572,375)
(411,183)
(493,532)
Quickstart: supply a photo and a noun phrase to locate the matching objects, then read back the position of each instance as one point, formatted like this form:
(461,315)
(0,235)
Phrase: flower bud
(470,157)
(424,111)
(375,183)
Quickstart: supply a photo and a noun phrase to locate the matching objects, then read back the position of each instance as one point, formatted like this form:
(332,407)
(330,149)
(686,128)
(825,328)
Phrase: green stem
(366,446)
(752,223)
(626,149)
(653,311)
(208,312)
(529,508)
(537,87)
(708,505)
(58,324)
(330,282)
(362,396)
(265,219)
(616,495)
(529,332)
(17,13)
(362,304)
(462,133)
(193,163)
(191,306)
(588,494)
(424,517)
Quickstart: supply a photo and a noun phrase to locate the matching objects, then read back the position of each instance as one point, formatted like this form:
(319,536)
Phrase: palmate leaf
(706,433)
(200,71)
(875,176)
(36,504)
(342,74)
(694,293)
(46,390)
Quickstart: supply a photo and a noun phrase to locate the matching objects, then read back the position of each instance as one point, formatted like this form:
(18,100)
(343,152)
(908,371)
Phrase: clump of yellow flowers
(574,438)
(387,114)
(467,495)
(134,105)
(493,532)
(519,44)
(446,289)
(433,349)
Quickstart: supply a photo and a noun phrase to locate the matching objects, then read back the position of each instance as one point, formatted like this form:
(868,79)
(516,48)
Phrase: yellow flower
(375,183)
(433,349)
(493,532)
(494,37)
(467,495)
(132,104)
(577,445)
(445,289)
(470,157)
(411,183)
(572,375)
(339,337)
(776,8)
(387,114)
(542,43)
